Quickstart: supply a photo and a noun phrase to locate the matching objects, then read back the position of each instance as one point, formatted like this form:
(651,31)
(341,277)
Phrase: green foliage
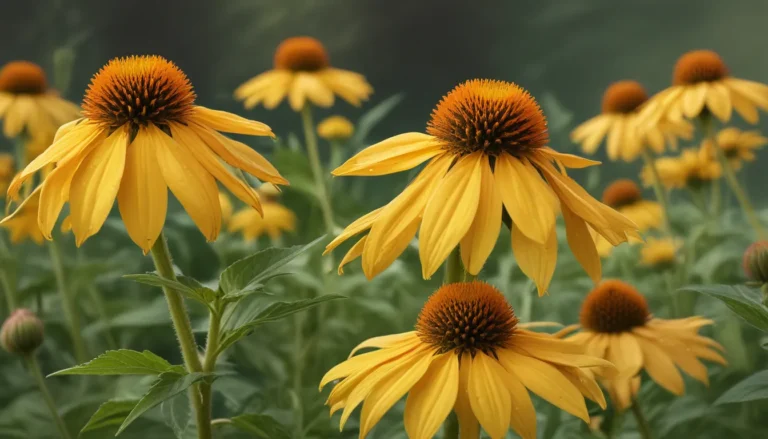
(123,362)
(261,426)
(752,388)
(742,300)
(110,413)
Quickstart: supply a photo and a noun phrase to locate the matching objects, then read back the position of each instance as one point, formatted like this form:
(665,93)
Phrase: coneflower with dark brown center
(613,306)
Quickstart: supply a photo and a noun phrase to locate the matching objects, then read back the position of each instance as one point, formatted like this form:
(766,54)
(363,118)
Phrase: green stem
(715,202)
(733,182)
(183,327)
(68,302)
(642,424)
(101,308)
(209,363)
(34,368)
(451,429)
(317,168)
(661,194)
(454,268)
(298,366)
(21,163)
(8,290)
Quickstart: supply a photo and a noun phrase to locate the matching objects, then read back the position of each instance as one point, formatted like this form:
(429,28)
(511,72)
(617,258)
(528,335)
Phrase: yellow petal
(431,400)
(367,361)
(536,260)
(95,185)
(719,101)
(488,396)
(693,99)
(568,160)
(581,244)
(469,428)
(449,212)
(660,367)
(585,382)
(17,115)
(395,154)
(354,252)
(527,198)
(385,341)
(615,138)
(54,193)
(229,123)
(359,225)
(351,86)
(523,415)
(624,352)
(308,86)
(481,237)
(143,195)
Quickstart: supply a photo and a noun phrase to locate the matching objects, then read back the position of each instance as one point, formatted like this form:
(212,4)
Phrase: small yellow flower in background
(738,146)
(28,106)
(335,128)
(700,82)
(141,135)
(303,74)
(468,354)
(486,148)
(22,224)
(691,168)
(617,325)
(276,219)
(618,122)
(7,170)
(660,252)
(226,207)
(625,196)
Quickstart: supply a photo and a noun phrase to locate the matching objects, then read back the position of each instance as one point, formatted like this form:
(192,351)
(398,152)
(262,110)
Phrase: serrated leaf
(263,426)
(112,412)
(248,275)
(167,385)
(742,300)
(752,388)
(185,285)
(176,414)
(245,319)
(123,362)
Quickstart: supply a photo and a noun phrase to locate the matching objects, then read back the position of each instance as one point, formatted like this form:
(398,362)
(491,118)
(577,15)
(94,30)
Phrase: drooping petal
(366,361)
(398,153)
(536,260)
(488,396)
(477,244)
(385,341)
(523,415)
(585,382)
(358,226)
(17,115)
(55,192)
(567,160)
(354,252)
(694,98)
(229,123)
(660,367)
(469,427)
(581,244)
(431,400)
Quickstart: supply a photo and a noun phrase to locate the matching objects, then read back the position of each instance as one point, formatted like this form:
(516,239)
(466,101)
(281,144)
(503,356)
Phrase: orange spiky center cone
(613,306)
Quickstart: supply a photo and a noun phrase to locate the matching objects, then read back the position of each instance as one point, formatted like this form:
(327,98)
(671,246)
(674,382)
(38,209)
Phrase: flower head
(738,146)
(335,128)
(617,325)
(468,354)
(692,168)
(276,220)
(486,152)
(303,74)
(660,252)
(141,135)
(21,333)
(626,197)
(755,262)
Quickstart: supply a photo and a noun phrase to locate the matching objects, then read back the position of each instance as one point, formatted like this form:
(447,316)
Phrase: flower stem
(209,363)
(658,189)
(68,302)
(733,182)
(101,308)
(298,366)
(317,168)
(715,202)
(34,368)
(642,424)
(451,429)
(183,327)
(8,290)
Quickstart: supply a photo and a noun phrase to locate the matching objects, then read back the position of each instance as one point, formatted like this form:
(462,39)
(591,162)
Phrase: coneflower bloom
(660,252)
(701,82)
(142,134)
(738,146)
(302,74)
(617,325)
(468,354)
(486,148)
(626,197)
(692,168)
(28,106)
(22,224)
(618,122)
(275,220)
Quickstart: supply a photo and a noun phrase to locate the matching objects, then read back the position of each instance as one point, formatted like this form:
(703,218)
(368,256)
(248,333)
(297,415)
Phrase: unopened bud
(22,332)
(755,262)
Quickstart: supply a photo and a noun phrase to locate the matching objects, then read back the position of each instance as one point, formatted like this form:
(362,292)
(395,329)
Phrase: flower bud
(22,332)
(335,128)
(755,262)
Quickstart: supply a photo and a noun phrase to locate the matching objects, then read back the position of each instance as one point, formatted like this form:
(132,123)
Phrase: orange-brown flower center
(138,90)
(613,306)
(622,193)
(467,317)
(22,77)
(699,66)
(623,97)
(301,54)
(489,116)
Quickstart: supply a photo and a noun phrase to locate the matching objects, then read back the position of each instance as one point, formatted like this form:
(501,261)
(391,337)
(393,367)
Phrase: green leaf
(752,388)
(248,275)
(245,319)
(123,362)
(176,412)
(374,116)
(263,426)
(742,300)
(167,385)
(184,285)
(112,412)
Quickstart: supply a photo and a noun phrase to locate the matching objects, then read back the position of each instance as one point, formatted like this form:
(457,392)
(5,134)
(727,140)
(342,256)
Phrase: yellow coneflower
(691,168)
(700,82)
(661,252)
(275,220)
(335,128)
(486,147)
(7,170)
(28,106)
(22,224)
(303,73)
(738,146)
(468,354)
(142,134)
(626,197)
(617,325)
(618,122)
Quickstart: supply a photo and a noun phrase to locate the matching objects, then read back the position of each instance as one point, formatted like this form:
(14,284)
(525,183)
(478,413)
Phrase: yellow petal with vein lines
(395,154)
(523,414)
(431,400)
(143,195)
(358,226)
(354,252)
(192,185)
(385,341)
(449,212)
(479,241)
(469,428)
(488,396)
(95,185)
(527,198)
(536,260)
(581,244)
(660,367)
(560,358)
(54,194)
(568,160)
(229,123)
(366,361)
